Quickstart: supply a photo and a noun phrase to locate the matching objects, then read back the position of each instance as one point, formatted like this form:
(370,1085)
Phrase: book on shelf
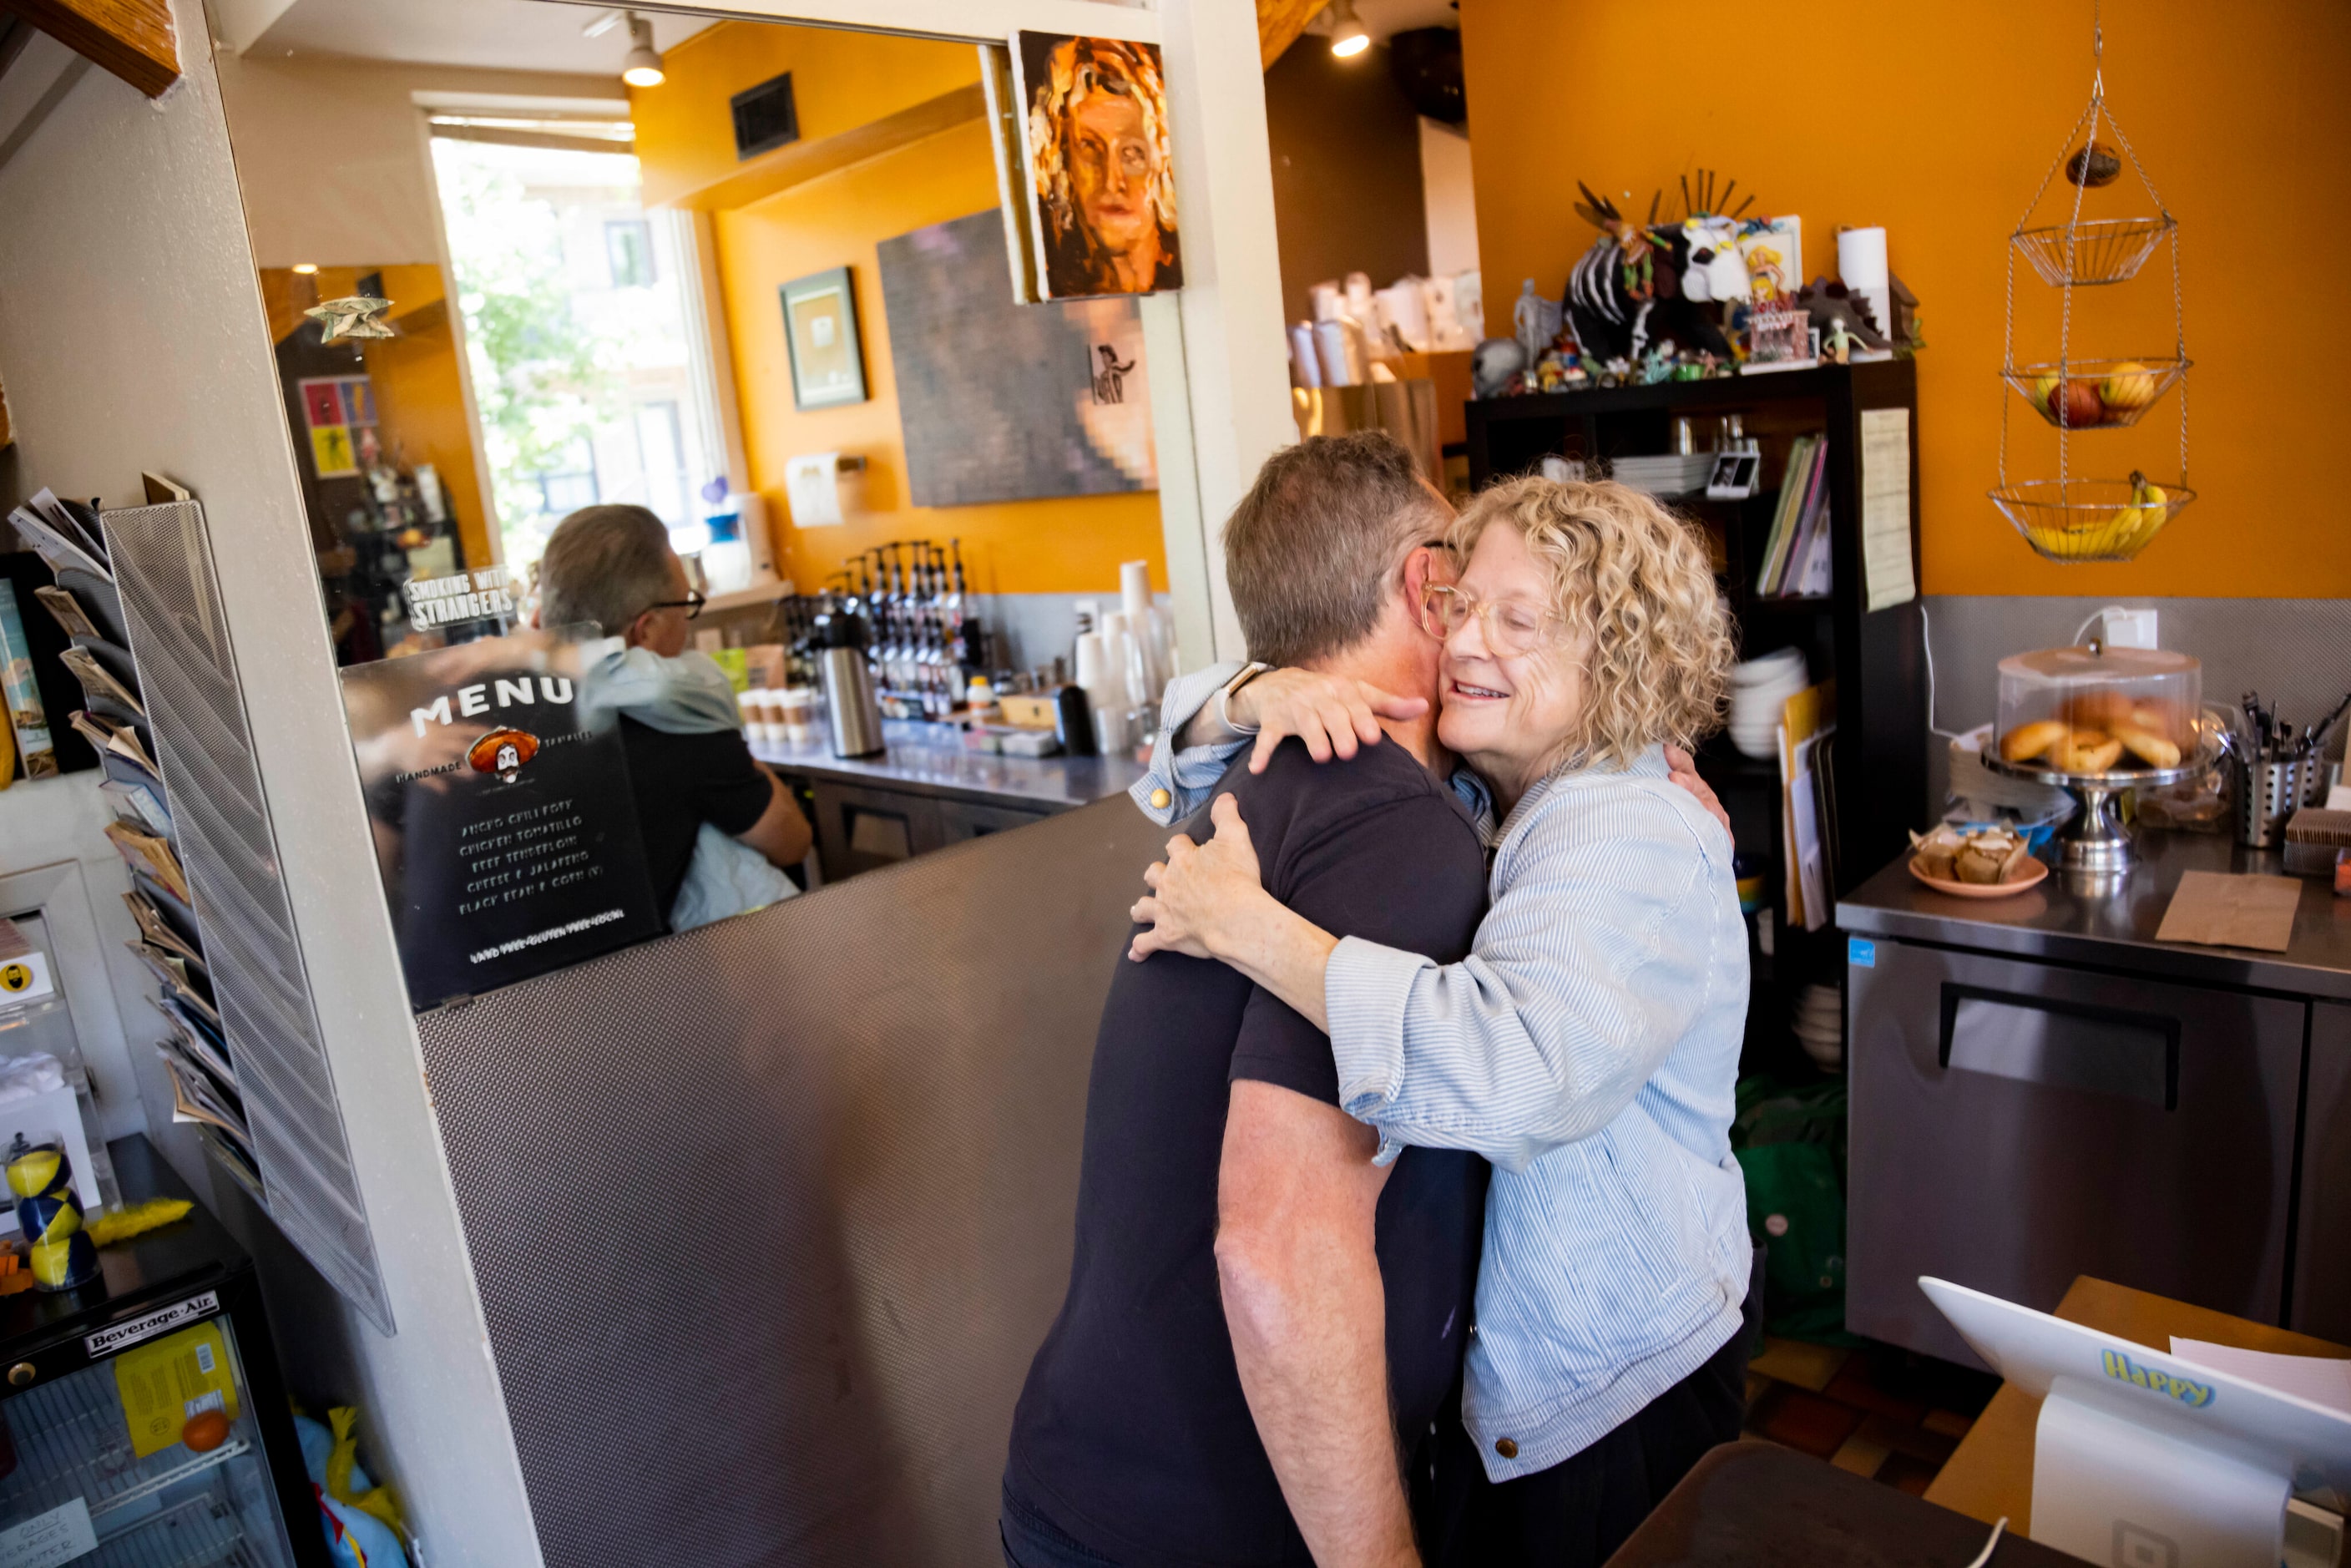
(1796,552)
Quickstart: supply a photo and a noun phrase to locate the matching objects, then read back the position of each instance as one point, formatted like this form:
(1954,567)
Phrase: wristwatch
(1249,673)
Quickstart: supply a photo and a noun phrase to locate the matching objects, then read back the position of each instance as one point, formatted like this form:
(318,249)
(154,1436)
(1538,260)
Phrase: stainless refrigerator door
(2015,1124)
(2322,1262)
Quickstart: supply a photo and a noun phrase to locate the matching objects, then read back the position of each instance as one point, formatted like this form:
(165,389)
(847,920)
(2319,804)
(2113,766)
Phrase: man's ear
(632,635)
(1424,566)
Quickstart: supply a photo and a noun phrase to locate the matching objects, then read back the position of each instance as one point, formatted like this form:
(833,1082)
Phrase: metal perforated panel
(768,1218)
(171,603)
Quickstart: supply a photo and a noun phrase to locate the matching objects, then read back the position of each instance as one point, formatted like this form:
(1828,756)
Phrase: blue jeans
(1031,1541)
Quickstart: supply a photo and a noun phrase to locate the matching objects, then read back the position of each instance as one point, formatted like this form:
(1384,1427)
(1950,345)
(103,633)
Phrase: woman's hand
(1201,894)
(1330,712)
(1683,770)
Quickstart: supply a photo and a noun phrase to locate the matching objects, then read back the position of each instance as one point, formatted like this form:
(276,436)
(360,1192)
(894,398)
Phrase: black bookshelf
(1878,658)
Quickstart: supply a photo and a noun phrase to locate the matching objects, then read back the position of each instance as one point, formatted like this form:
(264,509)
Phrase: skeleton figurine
(1535,322)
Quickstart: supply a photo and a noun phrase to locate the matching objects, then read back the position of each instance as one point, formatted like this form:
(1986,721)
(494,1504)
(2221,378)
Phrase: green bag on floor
(1790,1143)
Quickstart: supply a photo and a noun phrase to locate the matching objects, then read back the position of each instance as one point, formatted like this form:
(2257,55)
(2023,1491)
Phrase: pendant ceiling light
(643,65)
(1348,35)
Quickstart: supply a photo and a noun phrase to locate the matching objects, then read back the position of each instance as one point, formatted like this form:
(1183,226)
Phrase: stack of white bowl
(1760,689)
(1672,474)
(1818,1020)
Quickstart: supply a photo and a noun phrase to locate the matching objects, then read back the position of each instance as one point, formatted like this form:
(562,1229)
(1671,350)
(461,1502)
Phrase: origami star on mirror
(356,317)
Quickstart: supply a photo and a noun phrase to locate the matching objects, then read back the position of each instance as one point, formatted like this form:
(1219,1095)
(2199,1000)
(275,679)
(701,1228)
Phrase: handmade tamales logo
(502,752)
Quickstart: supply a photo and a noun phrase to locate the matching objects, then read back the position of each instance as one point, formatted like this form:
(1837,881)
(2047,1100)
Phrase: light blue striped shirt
(1589,1047)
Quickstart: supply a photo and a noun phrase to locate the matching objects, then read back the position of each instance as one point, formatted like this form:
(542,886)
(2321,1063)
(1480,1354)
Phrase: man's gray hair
(606,565)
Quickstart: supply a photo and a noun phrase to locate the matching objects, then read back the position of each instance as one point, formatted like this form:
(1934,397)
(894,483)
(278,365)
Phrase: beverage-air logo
(2120,1367)
(483,695)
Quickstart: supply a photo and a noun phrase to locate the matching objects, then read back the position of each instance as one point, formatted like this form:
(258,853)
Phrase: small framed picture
(820,332)
(1734,475)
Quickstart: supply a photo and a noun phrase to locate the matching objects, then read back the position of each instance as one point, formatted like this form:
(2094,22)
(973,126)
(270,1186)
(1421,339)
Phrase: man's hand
(1684,770)
(1331,714)
(1297,1197)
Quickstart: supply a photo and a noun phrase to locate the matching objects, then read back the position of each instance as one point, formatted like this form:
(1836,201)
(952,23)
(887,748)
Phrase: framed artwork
(1001,402)
(820,333)
(335,409)
(1099,183)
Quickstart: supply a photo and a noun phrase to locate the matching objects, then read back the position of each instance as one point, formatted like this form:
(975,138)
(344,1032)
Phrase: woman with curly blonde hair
(1589,1044)
(1105,183)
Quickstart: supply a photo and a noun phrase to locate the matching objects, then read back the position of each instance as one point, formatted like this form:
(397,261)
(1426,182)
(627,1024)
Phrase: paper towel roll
(1134,588)
(1861,259)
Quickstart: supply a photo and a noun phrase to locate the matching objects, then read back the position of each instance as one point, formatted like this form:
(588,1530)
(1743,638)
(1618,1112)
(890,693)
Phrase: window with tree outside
(577,339)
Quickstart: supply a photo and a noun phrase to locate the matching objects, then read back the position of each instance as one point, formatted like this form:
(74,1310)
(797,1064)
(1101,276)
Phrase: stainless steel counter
(1034,783)
(2116,930)
(910,800)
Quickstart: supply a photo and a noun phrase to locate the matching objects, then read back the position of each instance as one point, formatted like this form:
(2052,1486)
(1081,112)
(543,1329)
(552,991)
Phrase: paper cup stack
(1760,689)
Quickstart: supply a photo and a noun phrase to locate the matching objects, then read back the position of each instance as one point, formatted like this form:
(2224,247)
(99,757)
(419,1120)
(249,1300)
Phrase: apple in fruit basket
(2083,408)
(2131,385)
(2039,391)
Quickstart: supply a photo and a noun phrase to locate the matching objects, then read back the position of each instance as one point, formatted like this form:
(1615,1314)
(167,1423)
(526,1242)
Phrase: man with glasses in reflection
(611,567)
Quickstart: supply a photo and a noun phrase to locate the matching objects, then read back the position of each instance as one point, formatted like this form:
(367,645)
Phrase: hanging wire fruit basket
(2090,519)
(2093,250)
(2094,394)
(2070,518)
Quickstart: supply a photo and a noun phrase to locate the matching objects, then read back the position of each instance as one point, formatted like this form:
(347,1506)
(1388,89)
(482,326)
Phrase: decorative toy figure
(1610,286)
(1836,343)
(1537,322)
(1493,365)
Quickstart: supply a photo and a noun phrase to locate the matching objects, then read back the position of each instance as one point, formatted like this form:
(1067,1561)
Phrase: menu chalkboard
(505,828)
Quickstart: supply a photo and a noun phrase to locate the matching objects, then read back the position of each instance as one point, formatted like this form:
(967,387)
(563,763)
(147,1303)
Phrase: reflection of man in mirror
(1098,144)
(612,566)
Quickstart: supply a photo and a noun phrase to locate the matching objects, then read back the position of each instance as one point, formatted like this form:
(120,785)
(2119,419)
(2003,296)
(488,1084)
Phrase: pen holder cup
(2268,795)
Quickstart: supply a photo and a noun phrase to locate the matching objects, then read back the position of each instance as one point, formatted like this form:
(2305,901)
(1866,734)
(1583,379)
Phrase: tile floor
(1873,1409)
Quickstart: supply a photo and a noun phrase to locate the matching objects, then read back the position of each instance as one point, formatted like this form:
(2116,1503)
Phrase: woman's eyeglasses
(1513,627)
(692,604)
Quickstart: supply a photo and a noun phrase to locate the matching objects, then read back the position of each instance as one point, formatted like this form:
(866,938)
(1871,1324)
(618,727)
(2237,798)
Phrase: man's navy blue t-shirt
(1132,1436)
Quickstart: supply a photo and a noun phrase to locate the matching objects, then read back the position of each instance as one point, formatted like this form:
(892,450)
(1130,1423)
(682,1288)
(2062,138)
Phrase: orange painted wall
(1061,546)
(1937,122)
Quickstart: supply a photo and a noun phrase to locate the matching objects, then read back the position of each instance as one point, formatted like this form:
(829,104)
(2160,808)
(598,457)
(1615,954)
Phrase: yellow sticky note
(165,1383)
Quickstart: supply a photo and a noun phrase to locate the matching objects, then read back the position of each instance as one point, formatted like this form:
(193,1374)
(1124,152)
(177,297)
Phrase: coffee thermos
(855,715)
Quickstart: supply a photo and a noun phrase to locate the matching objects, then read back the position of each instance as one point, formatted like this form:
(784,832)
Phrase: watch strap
(1249,673)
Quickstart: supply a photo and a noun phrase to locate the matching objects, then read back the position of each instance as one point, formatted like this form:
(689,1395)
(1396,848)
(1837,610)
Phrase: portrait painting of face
(1101,181)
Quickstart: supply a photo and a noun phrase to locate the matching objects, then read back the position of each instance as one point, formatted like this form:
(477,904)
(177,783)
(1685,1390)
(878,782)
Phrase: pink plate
(2032,878)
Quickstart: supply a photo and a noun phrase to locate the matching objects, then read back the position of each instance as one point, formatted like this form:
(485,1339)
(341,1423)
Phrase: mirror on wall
(869,518)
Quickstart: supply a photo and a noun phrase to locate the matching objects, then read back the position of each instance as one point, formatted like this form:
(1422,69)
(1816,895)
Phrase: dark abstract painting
(1001,402)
